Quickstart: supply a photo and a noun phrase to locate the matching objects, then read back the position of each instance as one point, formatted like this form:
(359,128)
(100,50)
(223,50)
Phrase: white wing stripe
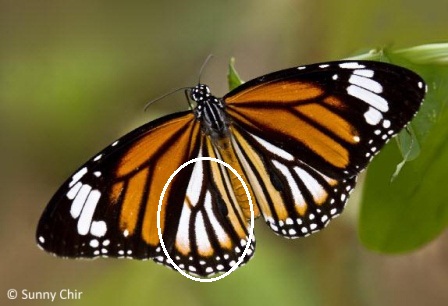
(369,97)
(85,220)
(80,200)
(274,149)
(183,232)
(295,191)
(73,191)
(202,239)
(195,185)
(316,190)
(77,176)
(364,72)
(366,83)
(219,231)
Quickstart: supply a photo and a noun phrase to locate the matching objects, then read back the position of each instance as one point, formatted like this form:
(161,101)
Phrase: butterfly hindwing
(295,199)
(212,232)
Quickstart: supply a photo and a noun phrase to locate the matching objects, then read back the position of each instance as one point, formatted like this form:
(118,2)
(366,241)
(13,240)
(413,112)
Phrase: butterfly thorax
(210,111)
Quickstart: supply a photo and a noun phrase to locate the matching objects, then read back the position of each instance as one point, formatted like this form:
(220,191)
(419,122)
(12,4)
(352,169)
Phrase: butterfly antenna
(203,66)
(163,96)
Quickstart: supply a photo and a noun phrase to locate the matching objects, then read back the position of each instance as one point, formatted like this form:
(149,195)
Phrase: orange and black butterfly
(298,137)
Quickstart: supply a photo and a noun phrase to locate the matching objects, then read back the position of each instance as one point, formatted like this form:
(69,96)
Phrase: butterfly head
(200,93)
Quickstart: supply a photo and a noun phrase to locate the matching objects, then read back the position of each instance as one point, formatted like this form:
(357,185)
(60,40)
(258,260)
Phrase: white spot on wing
(372,116)
(94,243)
(351,65)
(98,229)
(98,157)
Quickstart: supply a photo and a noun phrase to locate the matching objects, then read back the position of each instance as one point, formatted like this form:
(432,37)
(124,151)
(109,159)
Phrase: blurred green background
(75,75)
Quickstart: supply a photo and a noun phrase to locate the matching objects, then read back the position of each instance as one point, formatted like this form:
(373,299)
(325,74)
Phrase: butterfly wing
(304,134)
(108,208)
(213,227)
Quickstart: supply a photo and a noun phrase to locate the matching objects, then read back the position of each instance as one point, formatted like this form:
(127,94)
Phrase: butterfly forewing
(332,116)
(108,207)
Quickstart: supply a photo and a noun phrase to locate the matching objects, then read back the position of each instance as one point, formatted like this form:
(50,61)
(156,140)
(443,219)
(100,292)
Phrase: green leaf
(410,211)
(233,78)
(409,148)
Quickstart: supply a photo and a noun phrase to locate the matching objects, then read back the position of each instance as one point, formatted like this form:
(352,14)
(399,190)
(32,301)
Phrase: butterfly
(298,137)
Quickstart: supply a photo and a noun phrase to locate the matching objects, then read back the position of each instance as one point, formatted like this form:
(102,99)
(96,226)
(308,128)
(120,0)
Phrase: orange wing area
(227,154)
(147,165)
(300,112)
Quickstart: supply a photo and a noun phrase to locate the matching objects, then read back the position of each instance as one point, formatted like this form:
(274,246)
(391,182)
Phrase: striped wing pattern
(295,199)
(213,231)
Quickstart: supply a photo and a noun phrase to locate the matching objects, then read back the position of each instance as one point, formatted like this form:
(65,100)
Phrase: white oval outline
(251,230)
